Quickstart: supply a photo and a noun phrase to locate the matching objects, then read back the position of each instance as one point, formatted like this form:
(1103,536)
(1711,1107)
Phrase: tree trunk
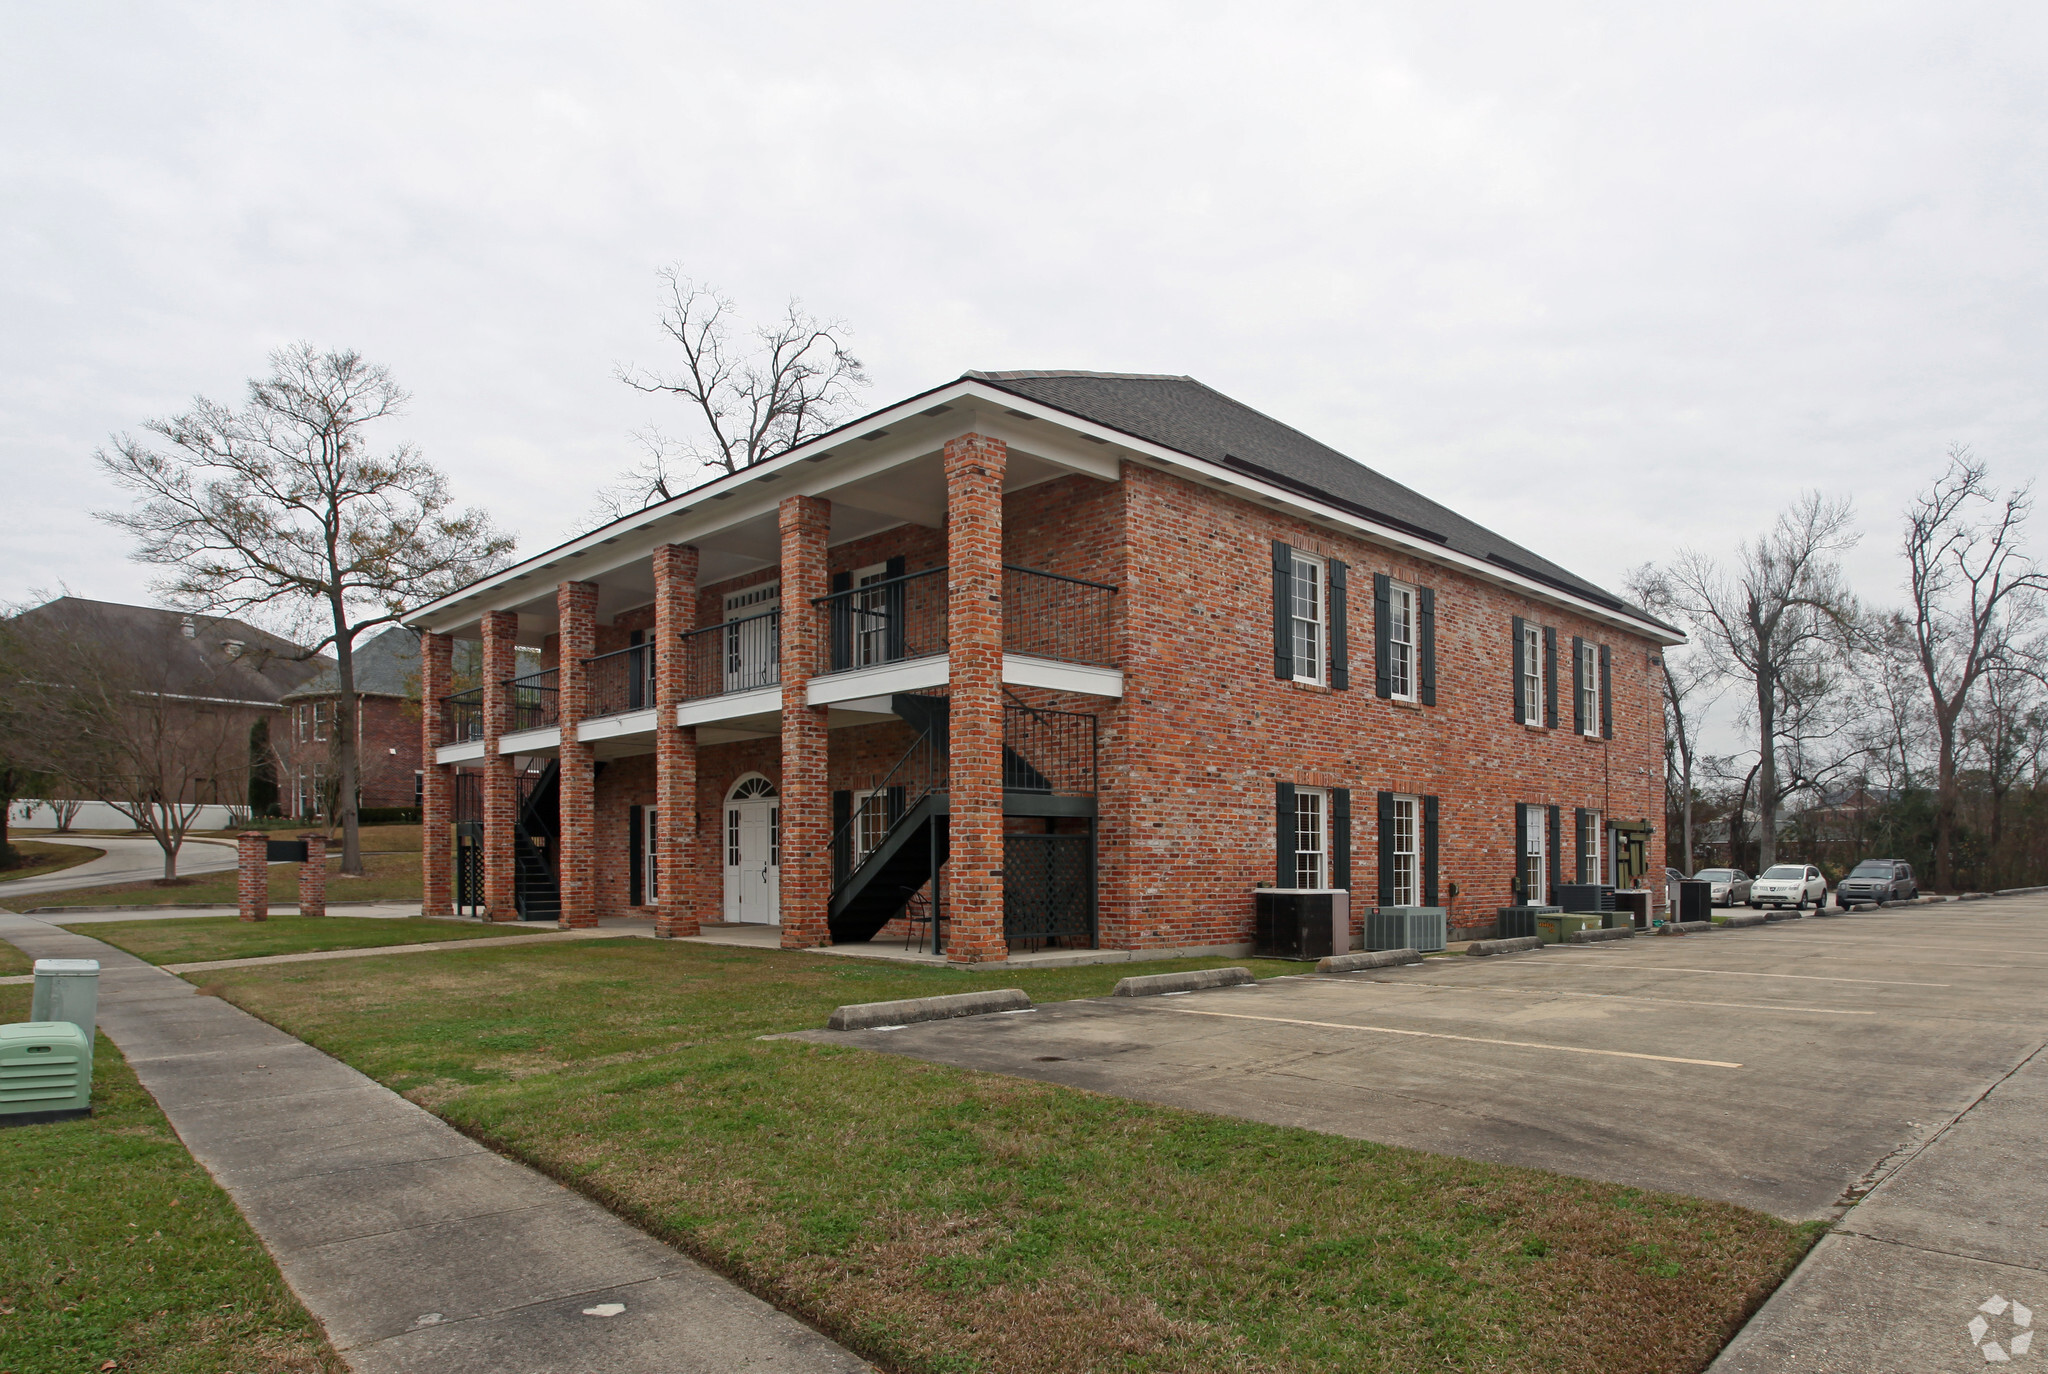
(1767,771)
(345,743)
(1945,801)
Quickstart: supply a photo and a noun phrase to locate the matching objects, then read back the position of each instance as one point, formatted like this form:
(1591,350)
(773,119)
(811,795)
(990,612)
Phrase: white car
(1792,885)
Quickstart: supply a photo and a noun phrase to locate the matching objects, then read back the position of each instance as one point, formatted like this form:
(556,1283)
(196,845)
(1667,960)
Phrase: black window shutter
(897,797)
(842,623)
(1340,640)
(1578,685)
(636,881)
(1521,669)
(892,609)
(1425,645)
(1340,838)
(1386,836)
(1520,885)
(1606,694)
(1549,678)
(842,836)
(1283,831)
(1554,855)
(1381,685)
(1429,812)
(1580,829)
(1283,612)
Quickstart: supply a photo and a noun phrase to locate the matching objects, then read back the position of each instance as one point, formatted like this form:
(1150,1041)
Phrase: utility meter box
(45,1072)
(67,990)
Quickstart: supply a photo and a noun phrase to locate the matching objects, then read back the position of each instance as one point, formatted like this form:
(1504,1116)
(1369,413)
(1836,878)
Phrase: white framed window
(299,722)
(1535,856)
(319,721)
(732,837)
(650,856)
(870,611)
(1532,674)
(1401,641)
(753,637)
(1593,849)
(1311,616)
(871,822)
(1589,688)
(1407,851)
(1311,837)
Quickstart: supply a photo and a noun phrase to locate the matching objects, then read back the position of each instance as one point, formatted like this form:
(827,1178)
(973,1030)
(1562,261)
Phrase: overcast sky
(1608,278)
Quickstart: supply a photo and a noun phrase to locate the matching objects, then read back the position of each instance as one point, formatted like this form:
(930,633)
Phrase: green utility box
(45,1072)
(1558,928)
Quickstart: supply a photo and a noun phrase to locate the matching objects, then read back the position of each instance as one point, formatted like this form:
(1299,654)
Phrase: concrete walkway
(418,1249)
(127,860)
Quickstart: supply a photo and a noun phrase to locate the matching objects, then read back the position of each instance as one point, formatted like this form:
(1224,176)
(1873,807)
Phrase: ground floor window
(871,814)
(1311,837)
(1535,856)
(1592,848)
(1406,851)
(650,865)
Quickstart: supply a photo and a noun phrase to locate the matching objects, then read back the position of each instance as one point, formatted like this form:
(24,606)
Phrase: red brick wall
(387,750)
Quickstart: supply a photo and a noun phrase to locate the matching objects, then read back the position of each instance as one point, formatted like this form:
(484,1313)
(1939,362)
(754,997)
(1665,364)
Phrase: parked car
(1792,885)
(1878,880)
(1731,885)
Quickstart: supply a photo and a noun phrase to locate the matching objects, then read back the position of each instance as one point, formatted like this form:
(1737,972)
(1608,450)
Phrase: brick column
(252,875)
(313,875)
(806,872)
(675,748)
(576,605)
(974,671)
(501,790)
(437,782)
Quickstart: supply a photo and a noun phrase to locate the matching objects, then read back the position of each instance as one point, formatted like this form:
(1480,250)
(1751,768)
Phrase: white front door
(753,861)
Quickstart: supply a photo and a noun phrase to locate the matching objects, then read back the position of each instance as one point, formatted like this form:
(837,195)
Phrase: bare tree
(2006,729)
(1689,678)
(795,382)
(1976,598)
(1778,623)
(282,505)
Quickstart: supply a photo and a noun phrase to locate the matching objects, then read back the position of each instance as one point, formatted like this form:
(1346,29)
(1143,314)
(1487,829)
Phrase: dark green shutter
(1606,694)
(1340,641)
(1382,686)
(892,610)
(1340,838)
(1549,678)
(842,836)
(1283,832)
(636,837)
(1578,685)
(1521,669)
(1283,612)
(1429,814)
(842,622)
(1520,885)
(1386,847)
(1553,854)
(1425,645)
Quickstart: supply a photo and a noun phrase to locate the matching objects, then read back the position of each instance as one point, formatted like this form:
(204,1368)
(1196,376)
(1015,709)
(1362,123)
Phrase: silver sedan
(1731,885)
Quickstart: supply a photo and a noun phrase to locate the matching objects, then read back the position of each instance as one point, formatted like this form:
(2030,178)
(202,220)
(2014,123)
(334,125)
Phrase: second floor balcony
(1047,616)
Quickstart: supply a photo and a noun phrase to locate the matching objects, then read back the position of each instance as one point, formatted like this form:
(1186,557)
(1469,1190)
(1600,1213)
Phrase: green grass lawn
(116,1246)
(943,1221)
(40,859)
(198,938)
(13,961)
(393,876)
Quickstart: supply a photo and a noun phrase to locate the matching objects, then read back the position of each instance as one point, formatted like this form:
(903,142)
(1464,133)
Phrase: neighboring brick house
(1085,657)
(387,673)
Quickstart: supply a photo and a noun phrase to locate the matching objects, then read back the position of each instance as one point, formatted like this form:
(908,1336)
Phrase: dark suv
(1877,880)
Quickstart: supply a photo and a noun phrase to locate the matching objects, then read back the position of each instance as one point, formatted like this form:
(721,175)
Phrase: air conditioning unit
(45,1072)
(1519,922)
(1301,922)
(1422,928)
(1584,897)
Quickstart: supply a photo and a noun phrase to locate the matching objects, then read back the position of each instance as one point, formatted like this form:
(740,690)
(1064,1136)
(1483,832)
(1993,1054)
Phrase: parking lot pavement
(1783,1067)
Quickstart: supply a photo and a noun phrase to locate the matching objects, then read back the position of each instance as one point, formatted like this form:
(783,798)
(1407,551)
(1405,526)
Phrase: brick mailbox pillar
(252,875)
(313,875)
(974,639)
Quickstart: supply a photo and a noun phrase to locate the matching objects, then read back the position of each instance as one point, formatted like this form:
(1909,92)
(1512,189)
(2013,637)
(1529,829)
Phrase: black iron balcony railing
(619,682)
(535,700)
(737,656)
(1048,751)
(1051,615)
(464,715)
(882,621)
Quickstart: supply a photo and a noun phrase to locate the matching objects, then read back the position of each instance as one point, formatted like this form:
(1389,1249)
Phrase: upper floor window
(319,721)
(1401,641)
(1311,616)
(1588,676)
(1532,673)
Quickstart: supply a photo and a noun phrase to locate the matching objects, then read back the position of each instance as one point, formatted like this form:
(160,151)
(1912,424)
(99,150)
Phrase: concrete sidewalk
(418,1249)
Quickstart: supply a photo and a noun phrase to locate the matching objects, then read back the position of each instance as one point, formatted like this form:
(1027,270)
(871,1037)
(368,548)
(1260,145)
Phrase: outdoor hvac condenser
(45,1072)
(1421,928)
(1301,922)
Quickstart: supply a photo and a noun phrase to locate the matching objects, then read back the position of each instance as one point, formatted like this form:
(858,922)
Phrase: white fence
(30,814)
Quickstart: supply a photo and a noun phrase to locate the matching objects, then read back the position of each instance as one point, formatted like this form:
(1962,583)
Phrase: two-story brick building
(1078,658)
(388,744)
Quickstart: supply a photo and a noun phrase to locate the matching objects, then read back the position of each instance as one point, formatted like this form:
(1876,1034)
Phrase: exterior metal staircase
(536,889)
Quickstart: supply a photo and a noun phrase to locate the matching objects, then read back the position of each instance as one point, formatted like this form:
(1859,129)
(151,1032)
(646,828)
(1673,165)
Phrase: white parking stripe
(1610,996)
(1468,1039)
(1741,973)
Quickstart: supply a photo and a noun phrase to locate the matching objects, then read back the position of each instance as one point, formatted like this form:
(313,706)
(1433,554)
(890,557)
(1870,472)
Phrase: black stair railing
(1048,751)
(921,772)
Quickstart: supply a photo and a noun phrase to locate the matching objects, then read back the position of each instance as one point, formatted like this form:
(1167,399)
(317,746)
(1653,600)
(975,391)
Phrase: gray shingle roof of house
(386,665)
(220,658)
(1182,414)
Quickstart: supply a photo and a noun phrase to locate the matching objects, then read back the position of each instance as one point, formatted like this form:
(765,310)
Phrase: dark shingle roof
(1181,413)
(198,655)
(386,665)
